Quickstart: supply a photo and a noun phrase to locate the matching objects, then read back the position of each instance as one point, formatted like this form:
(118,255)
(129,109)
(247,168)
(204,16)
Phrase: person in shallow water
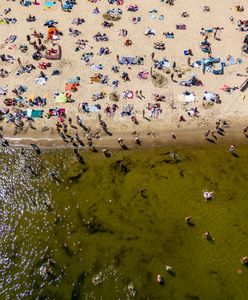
(232,148)
(160,279)
(208,195)
(207,235)
(106,152)
(52,174)
(188,220)
(168,269)
(244,260)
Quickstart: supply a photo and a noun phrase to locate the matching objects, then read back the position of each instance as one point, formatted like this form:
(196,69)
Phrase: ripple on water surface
(105,229)
(23,178)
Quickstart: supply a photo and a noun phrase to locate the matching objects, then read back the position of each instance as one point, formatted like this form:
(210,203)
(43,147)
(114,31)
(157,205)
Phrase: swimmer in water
(160,279)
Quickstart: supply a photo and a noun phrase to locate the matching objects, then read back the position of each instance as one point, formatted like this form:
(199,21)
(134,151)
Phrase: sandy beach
(178,106)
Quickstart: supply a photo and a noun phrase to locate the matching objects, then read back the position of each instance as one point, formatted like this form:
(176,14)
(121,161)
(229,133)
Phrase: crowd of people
(43,47)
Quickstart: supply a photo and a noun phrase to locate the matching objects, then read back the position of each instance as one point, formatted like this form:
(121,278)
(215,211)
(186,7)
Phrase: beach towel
(231,61)
(74,80)
(210,97)
(186,52)
(189,98)
(49,4)
(31,113)
(61,98)
(3,22)
(94,108)
(72,87)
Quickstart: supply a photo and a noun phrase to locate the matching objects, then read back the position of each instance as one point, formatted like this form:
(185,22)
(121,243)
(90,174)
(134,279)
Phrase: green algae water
(105,228)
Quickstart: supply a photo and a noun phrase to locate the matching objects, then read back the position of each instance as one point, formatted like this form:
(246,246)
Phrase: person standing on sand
(206,135)
(143,113)
(137,141)
(28,38)
(189,61)
(213,135)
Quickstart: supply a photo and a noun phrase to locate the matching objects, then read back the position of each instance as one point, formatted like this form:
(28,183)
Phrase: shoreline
(184,137)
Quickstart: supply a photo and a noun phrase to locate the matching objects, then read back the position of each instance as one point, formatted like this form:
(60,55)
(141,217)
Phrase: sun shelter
(35,113)
(212,64)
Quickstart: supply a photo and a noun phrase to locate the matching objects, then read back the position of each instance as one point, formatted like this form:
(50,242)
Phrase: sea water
(104,228)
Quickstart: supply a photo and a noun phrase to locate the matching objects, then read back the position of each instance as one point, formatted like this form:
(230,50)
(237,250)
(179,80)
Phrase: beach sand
(157,131)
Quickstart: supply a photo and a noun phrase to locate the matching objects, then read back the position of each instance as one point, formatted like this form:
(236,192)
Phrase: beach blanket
(189,97)
(210,97)
(73,87)
(61,98)
(32,113)
(49,4)
(74,80)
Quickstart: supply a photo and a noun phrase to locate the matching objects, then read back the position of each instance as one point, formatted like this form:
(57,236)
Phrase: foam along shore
(149,139)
